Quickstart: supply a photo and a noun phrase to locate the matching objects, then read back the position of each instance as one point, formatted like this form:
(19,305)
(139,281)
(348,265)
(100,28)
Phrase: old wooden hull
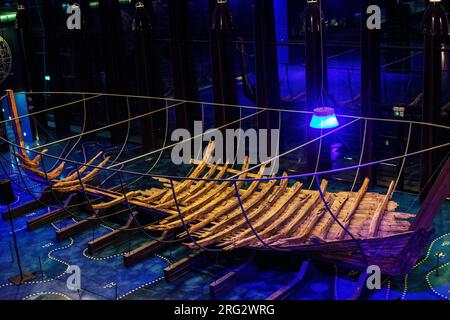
(395,255)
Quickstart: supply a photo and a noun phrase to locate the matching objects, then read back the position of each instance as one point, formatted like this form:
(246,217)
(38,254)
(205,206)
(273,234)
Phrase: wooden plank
(116,201)
(227,281)
(76,228)
(67,186)
(338,204)
(190,213)
(347,216)
(181,267)
(188,191)
(299,201)
(196,195)
(229,207)
(235,171)
(187,183)
(294,219)
(114,237)
(379,212)
(53,215)
(286,290)
(148,249)
(278,207)
(317,214)
(81,170)
(217,232)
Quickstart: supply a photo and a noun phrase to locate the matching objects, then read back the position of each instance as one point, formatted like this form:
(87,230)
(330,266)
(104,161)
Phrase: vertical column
(148,77)
(370,83)
(184,75)
(52,12)
(435,28)
(222,61)
(267,81)
(24,37)
(315,74)
(82,52)
(114,66)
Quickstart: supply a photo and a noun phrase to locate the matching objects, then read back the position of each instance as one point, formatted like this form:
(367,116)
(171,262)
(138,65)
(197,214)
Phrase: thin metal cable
(404,159)
(363,254)
(346,116)
(317,160)
(160,153)
(183,141)
(236,190)
(186,228)
(297,176)
(102,128)
(363,148)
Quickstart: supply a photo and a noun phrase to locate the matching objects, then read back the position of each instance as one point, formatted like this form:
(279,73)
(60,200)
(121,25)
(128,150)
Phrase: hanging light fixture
(222,18)
(324,118)
(141,19)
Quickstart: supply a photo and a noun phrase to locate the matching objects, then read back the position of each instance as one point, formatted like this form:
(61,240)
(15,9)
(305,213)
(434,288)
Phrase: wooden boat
(73,182)
(284,216)
(292,219)
(354,228)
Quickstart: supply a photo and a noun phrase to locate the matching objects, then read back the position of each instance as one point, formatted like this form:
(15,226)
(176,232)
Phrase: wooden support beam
(361,286)
(234,171)
(23,209)
(76,228)
(434,200)
(181,267)
(286,290)
(148,249)
(53,215)
(115,237)
(225,282)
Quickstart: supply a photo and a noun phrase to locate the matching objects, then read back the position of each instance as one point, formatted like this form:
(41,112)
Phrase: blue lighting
(47,77)
(324,118)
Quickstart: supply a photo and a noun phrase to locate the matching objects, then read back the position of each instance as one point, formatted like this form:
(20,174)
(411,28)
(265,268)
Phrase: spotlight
(324,118)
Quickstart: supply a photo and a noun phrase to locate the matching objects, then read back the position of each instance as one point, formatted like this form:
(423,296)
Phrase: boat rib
(278,206)
(379,212)
(347,216)
(223,229)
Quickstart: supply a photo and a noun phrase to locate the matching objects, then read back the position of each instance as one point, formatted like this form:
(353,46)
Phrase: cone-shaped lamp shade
(324,118)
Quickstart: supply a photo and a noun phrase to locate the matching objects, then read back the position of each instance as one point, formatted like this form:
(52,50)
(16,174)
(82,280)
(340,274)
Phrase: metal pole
(40,267)
(11,252)
(15,242)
